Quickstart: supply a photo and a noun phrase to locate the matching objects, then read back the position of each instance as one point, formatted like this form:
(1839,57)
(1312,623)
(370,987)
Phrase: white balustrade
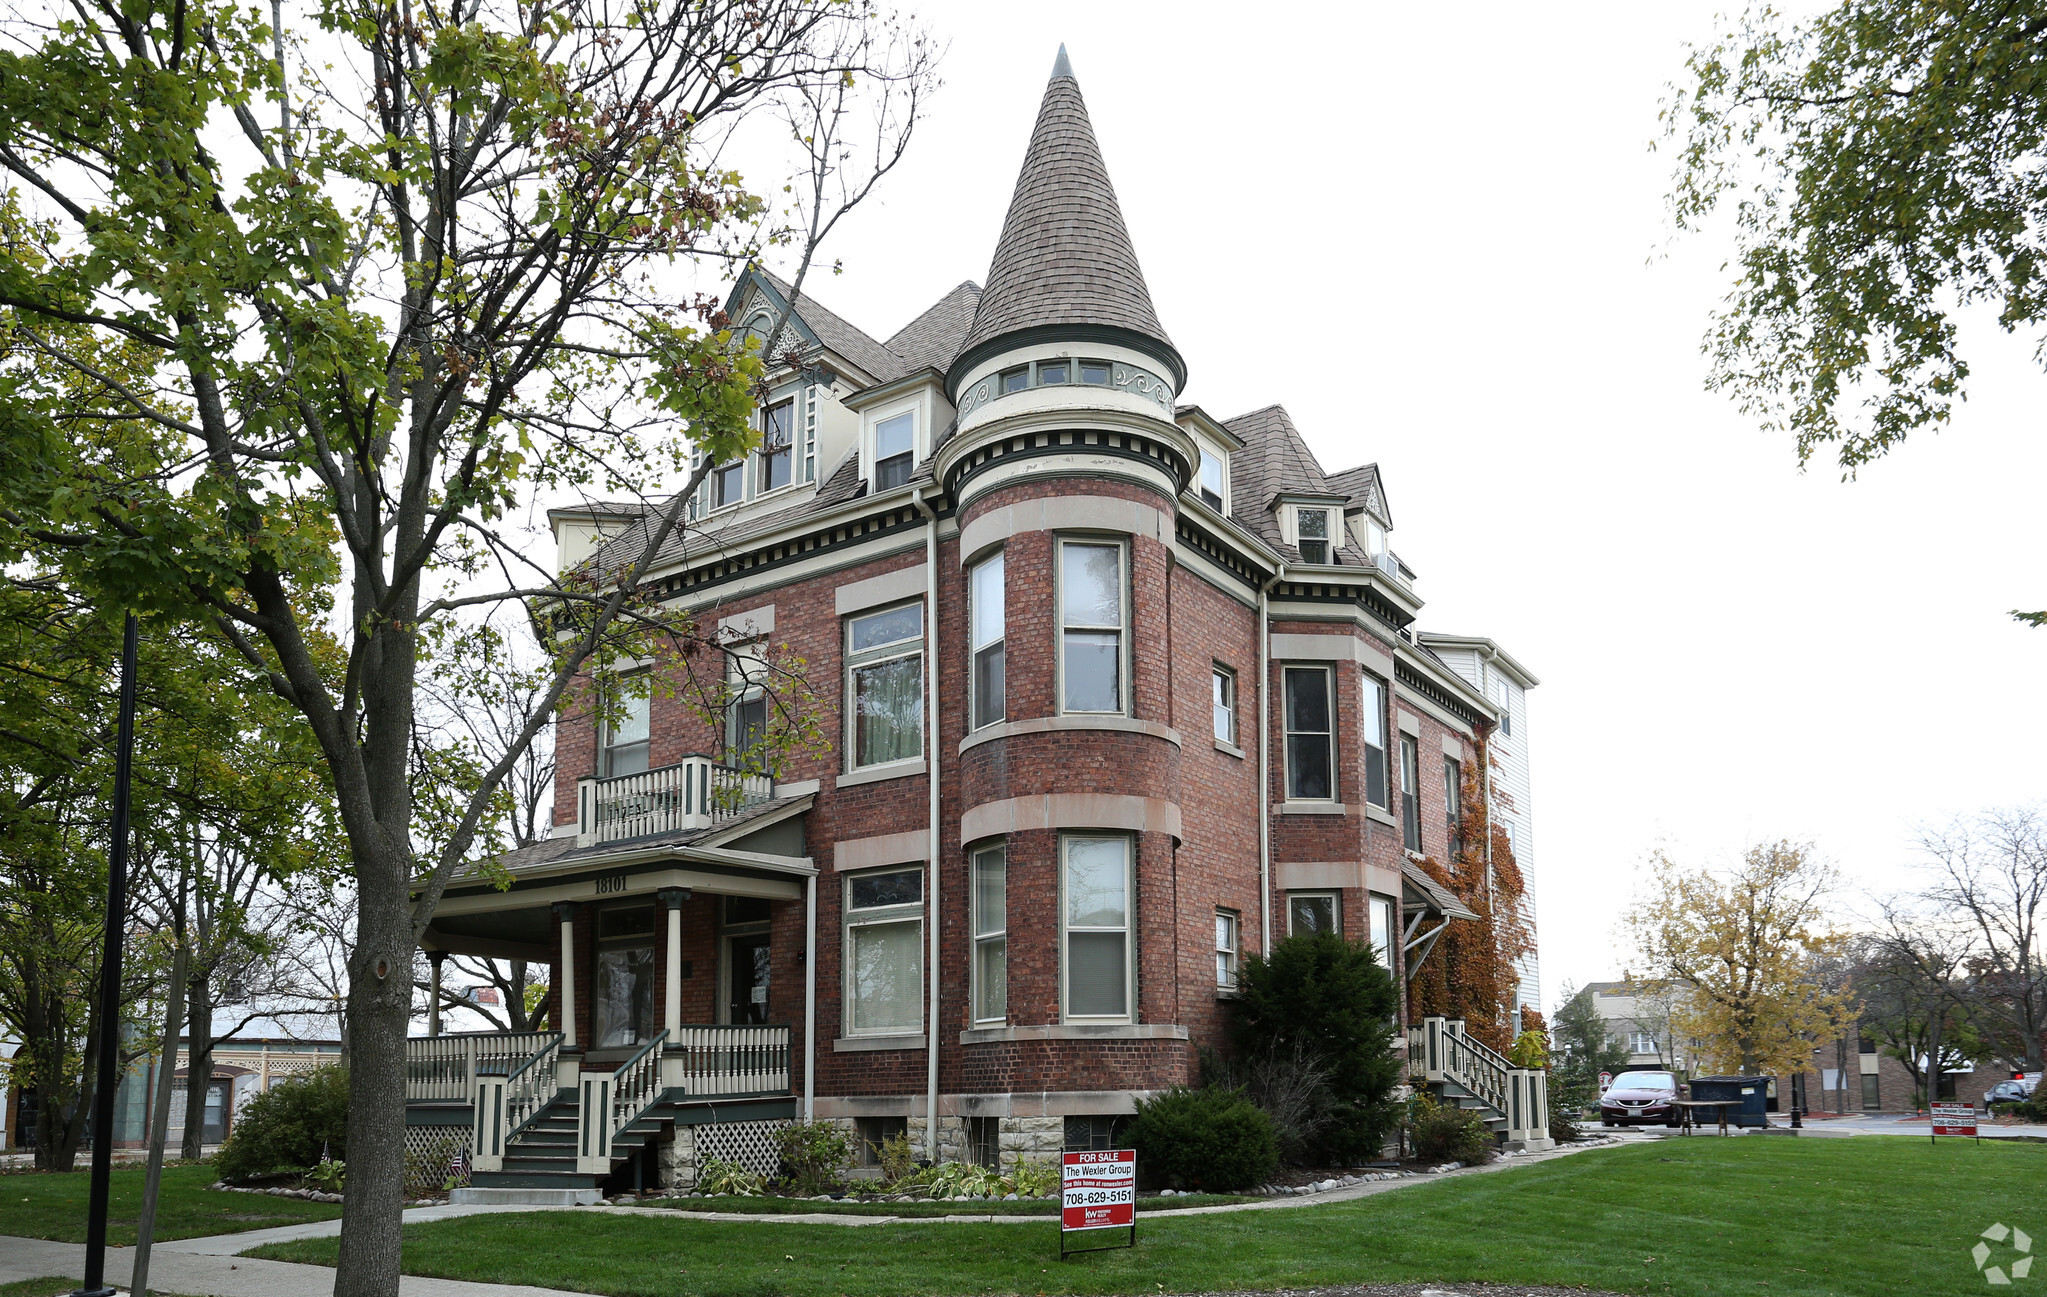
(444,1068)
(694,793)
(710,1062)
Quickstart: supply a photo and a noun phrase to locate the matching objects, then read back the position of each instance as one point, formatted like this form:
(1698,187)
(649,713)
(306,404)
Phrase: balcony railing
(728,1060)
(694,793)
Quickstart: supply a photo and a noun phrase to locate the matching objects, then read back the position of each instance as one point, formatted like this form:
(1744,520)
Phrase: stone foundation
(676,1161)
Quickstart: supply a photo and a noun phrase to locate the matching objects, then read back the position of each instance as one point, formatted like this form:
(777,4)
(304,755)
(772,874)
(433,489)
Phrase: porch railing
(445,1068)
(1439,1051)
(712,1061)
(612,1103)
(694,793)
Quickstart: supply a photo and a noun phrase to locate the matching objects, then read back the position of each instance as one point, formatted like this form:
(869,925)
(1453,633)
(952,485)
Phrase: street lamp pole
(110,988)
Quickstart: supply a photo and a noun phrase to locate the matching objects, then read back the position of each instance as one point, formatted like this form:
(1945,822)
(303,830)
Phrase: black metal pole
(110,989)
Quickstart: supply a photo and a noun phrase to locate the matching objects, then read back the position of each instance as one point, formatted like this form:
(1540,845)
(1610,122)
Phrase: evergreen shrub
(289,1127)
(1444,1132)
(1213,1139)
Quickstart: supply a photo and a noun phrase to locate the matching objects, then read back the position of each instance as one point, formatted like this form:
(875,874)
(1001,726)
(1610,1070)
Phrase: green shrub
(289,1127)
(1444,1132)
(1034,1179)
(717,1177)
(816,1154)
(1323,1006)
(1213,1138)
(896,1157)
(329,1176)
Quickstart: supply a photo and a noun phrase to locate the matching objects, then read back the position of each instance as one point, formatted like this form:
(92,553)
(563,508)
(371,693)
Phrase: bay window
(985,605)
(1091,613)
(884,945)
(1373,722)
(1096,919)
(1308,734)
(1308,912)
(885,681)
(991,934)
(1410,791)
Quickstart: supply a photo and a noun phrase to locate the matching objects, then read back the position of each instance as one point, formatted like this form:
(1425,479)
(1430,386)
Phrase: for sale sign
(1098,1190)
(1954,1119)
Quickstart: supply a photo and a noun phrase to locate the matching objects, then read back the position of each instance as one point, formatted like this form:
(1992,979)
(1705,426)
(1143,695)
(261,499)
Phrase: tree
(1912,978)
(400,271)
(1582,1048)
(1746,944)
(1883,161)
(1990,875)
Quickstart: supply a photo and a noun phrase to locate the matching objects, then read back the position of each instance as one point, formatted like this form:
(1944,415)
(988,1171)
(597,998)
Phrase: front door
(748,962)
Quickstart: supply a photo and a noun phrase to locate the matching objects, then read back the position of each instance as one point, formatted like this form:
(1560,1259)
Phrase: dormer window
(778,458)
(895,450)
(1211,484)
(1374,537)
(728,484)
(1312,531)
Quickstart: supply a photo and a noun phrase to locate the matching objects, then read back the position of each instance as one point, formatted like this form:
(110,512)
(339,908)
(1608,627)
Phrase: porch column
(434,959)
(673,898)
(565,973)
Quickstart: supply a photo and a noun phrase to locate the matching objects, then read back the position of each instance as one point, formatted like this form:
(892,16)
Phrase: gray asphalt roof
(1065,255)
(933,339)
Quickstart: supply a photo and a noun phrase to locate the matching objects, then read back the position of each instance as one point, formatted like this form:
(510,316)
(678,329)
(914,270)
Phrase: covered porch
(678,959)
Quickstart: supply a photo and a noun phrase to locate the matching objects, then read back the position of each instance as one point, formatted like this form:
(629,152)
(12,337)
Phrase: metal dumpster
(1752,1091)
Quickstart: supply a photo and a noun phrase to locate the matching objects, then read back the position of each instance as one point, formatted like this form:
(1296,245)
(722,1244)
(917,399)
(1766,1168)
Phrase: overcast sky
(1440,243)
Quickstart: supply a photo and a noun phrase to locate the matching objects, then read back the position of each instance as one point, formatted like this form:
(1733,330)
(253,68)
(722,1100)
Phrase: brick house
(1124,692)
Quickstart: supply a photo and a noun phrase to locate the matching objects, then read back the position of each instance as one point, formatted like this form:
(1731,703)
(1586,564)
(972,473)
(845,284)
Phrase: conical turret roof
(1064,267)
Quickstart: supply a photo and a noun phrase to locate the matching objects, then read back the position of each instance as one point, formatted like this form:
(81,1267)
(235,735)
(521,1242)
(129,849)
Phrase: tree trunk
(198,1065)
(61,1116)
(160,1116)
(516,1009)
(379,1013)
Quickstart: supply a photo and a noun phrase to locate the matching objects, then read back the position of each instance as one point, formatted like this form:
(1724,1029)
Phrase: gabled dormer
(1312,522)
(1214,444)
(899,424)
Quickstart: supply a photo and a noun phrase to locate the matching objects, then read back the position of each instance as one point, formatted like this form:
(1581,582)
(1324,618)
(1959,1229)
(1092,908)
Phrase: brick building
(1125,692)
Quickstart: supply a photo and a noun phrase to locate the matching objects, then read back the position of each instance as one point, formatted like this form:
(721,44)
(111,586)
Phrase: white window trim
(1367,682)
(1335,906)
(711,504)
(757,470)
(996,555)
(1236,710)
(1235,950)
(1124,684)
(1129,929)
(907,913)
(1285,759)
(870,657)
(870,420)
(1374,900)
(976,937)
(1331,533)
(604,743)
(1212,453)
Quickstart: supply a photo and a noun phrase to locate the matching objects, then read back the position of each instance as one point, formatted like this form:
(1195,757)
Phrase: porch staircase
(542,1158)
(1457,1069)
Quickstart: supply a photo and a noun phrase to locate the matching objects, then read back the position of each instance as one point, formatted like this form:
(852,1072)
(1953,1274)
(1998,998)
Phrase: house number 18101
(609,883)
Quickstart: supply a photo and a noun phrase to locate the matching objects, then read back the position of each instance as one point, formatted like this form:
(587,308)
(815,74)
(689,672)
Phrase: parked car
(2008,1092)
(1640,1099)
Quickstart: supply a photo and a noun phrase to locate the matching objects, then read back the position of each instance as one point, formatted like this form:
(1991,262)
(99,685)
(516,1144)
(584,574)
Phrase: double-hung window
(1097,923)
(1310,912)
(728,484)
(1641,1042)
(1503,692)
(1453,802)
(778,429)
(1312,534)
(1211,480)
(1410,791)
(1373,722)
(895,450)
(885,681)
(626,730)
(1309,729)
(1091,611)
(746,703)
(884,947)
(1226,939)
(985,597)
(1382,930)
(991,934)
(1225,706)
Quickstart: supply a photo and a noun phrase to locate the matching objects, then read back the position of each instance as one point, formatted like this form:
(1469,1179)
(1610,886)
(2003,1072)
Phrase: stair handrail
(1478,1068)
(531,1086)
(609,1104)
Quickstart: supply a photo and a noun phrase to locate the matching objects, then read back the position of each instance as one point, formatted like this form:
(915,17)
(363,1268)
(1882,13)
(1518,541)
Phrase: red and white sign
(1098,1190)
(1954,1119)
(1605,1082)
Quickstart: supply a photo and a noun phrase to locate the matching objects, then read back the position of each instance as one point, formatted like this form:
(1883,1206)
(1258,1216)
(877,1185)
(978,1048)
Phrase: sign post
(1954,1119)
(1097,1191)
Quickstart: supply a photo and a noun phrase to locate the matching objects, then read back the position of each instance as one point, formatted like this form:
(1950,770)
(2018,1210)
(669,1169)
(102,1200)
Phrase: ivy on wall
(1470,973)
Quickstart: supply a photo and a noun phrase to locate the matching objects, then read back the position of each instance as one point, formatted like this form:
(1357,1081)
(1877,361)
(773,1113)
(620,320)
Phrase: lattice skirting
(749,1143)
(430,1152)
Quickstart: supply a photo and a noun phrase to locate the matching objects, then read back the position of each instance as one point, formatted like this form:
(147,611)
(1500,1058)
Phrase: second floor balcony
(694,793)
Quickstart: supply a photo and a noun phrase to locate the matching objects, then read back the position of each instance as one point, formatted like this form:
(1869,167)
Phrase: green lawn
(40,1205)
(1768,1215)
(962,1207)
(50,1287)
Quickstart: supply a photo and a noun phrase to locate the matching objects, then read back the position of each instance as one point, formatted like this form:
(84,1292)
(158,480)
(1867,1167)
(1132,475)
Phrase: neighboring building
(1127,693)
(1637,1015)
(1494,673)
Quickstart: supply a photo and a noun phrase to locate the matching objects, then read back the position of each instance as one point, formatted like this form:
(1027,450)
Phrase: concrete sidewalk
(182,1269)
